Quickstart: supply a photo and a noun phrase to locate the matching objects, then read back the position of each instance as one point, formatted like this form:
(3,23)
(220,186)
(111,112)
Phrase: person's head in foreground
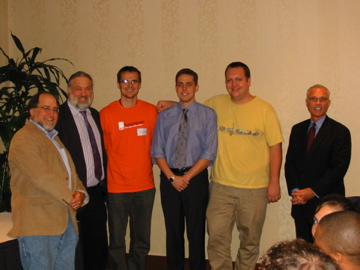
(338,234)
(330,204)
(296,254)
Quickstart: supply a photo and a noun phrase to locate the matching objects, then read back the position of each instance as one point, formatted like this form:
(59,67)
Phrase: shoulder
(113,105)
(205,109)
(258,102)
(335,125)
(218,98)
(147,105)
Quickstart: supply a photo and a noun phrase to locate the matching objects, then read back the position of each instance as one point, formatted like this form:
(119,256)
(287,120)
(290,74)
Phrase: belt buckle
(182,171)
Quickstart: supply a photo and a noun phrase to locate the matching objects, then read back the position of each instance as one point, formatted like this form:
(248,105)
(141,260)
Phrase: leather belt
(182,171)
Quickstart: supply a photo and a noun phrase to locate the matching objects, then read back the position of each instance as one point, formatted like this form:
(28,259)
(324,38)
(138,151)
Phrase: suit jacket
(323,168)
(69,135)
(40,184)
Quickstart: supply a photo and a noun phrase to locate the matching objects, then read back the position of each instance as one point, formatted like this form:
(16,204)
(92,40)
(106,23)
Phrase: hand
(77,201)
(273,192)
(162,105)
(180,183)
(301,196)
(296,200)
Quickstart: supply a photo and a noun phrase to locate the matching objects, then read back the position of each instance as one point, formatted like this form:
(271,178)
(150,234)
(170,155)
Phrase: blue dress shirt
(201,134)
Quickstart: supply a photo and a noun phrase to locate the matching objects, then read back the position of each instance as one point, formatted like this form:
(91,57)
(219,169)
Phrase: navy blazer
(323,168)
(70,137)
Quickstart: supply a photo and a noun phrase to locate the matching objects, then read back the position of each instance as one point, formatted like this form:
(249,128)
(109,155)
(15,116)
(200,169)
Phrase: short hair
(128,69)
(187,71)
(34,101)
(297,254)
(336,201)
(317,86)
(79,74)
(239,64)
(340,232)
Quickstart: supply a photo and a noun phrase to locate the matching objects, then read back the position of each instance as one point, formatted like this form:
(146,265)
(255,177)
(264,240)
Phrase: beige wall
(288,44)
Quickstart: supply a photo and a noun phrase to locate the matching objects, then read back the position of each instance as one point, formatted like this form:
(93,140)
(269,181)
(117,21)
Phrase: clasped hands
(301,196)
(180,183)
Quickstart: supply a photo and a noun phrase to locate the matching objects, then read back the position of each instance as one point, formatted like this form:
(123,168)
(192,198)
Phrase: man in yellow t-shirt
(245,174)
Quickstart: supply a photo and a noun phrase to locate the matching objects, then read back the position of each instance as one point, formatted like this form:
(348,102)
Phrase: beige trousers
(227,206)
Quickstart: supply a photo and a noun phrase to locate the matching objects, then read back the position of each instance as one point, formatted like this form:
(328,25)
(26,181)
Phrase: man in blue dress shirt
(184,182)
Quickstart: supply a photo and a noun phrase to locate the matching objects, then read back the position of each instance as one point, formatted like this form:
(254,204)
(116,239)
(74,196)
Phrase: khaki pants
(227,206)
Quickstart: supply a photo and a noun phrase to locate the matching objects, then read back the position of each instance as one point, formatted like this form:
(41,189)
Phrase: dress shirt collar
(51,134)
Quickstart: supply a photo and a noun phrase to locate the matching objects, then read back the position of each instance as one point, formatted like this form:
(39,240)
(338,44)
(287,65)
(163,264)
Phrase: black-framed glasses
(131,82)
(48,109)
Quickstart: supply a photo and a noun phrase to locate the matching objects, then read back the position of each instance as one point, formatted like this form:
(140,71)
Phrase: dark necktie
(95,150)
(311,137)
(180,154)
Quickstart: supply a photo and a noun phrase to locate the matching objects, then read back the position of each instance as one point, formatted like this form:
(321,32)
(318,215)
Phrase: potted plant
(19,81)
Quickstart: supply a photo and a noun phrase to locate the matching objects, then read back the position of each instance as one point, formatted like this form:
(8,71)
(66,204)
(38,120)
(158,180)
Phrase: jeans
(136,206)
(44,252)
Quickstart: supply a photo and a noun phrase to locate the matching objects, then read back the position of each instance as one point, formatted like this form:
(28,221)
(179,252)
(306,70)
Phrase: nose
(318,101)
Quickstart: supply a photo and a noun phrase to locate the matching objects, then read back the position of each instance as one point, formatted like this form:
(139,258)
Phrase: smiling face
(237,85)
(317,102)
(81,92)
(43,114)
(186,89)
(129,85)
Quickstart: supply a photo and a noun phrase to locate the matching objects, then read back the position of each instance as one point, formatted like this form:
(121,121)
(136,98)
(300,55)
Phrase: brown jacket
(39,184)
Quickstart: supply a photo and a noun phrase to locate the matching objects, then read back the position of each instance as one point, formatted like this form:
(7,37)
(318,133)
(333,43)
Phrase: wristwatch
(171,179)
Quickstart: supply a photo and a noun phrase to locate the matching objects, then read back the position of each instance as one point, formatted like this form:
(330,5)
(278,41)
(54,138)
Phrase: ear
(32,112)
(338,257)
(249,81)
(196,88)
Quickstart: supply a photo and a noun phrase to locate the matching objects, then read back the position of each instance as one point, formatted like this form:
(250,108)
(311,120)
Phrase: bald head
(339,233)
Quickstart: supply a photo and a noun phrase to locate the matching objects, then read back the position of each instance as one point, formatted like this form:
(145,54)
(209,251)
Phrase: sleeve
(273,128)
(339,163)
(157,150)
(211,139)
(290,163)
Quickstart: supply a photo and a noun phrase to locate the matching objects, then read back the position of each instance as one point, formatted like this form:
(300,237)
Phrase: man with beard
(46,192)
(80,131)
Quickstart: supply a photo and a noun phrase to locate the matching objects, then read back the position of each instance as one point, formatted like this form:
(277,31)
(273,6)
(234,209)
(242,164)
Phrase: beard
(47,126)
(82,105)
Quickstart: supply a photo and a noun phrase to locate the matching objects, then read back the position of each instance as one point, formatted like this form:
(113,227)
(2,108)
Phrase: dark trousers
(304,217)
(93,244)
(189,205)
(134,208)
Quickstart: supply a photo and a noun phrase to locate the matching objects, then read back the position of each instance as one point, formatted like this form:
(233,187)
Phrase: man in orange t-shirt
(128,126)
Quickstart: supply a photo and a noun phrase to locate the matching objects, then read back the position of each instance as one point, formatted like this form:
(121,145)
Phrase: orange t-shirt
(128,134)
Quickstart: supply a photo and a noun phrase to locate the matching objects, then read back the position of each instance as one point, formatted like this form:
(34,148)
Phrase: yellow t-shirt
(245,132)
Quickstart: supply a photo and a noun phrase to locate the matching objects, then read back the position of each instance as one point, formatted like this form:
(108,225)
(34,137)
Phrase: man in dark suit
(317,160)
(75,119)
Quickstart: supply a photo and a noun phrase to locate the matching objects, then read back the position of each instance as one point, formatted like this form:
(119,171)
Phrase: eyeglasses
(316,220)
(48,109)
(315,99)
(128,81)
